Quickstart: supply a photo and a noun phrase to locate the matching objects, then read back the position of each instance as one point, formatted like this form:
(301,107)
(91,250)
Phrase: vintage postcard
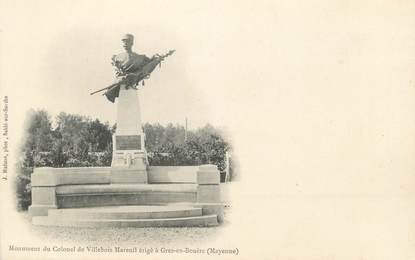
(207,129)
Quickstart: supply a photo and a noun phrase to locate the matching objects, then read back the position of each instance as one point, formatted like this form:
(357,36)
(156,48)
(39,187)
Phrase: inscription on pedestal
(128,142)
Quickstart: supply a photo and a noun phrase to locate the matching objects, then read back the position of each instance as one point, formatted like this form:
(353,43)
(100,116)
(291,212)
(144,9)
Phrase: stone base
(208,193)
(212,209)
(126,175)
(130,184)
(128,216)
(129,159)
(40,210)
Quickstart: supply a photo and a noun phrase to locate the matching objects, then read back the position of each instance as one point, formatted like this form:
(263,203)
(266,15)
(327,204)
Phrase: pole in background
(185,130)
(227,164)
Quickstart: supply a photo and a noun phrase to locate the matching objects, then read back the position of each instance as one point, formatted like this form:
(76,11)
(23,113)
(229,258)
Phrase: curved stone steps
(196,221)
(128,216)
(125,212)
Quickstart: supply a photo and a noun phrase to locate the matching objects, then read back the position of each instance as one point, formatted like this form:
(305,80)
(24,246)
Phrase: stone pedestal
(208,180)
(129,157)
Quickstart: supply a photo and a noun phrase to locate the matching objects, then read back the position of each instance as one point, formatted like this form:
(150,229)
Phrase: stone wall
(172,180)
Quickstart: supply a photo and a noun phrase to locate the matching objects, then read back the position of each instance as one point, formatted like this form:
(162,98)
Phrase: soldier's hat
(127,36)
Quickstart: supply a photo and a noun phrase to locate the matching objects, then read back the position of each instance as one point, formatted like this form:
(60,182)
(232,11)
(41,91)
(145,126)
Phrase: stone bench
(97,195)
(54,188)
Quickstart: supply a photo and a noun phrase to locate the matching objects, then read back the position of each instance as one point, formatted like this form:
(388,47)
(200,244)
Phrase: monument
(129,193)
(129,157)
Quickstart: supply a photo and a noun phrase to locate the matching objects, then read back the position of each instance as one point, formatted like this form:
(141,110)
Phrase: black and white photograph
(207,129)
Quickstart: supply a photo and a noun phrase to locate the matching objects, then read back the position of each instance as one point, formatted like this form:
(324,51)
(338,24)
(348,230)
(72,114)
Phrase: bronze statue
(130,68)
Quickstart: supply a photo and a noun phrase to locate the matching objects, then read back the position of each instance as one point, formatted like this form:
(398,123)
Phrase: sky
(65,55)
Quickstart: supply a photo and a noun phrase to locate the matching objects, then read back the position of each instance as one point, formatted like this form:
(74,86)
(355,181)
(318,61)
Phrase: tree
(76,141)
(37,141)
(167,146)
(79,141)
(98,135)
